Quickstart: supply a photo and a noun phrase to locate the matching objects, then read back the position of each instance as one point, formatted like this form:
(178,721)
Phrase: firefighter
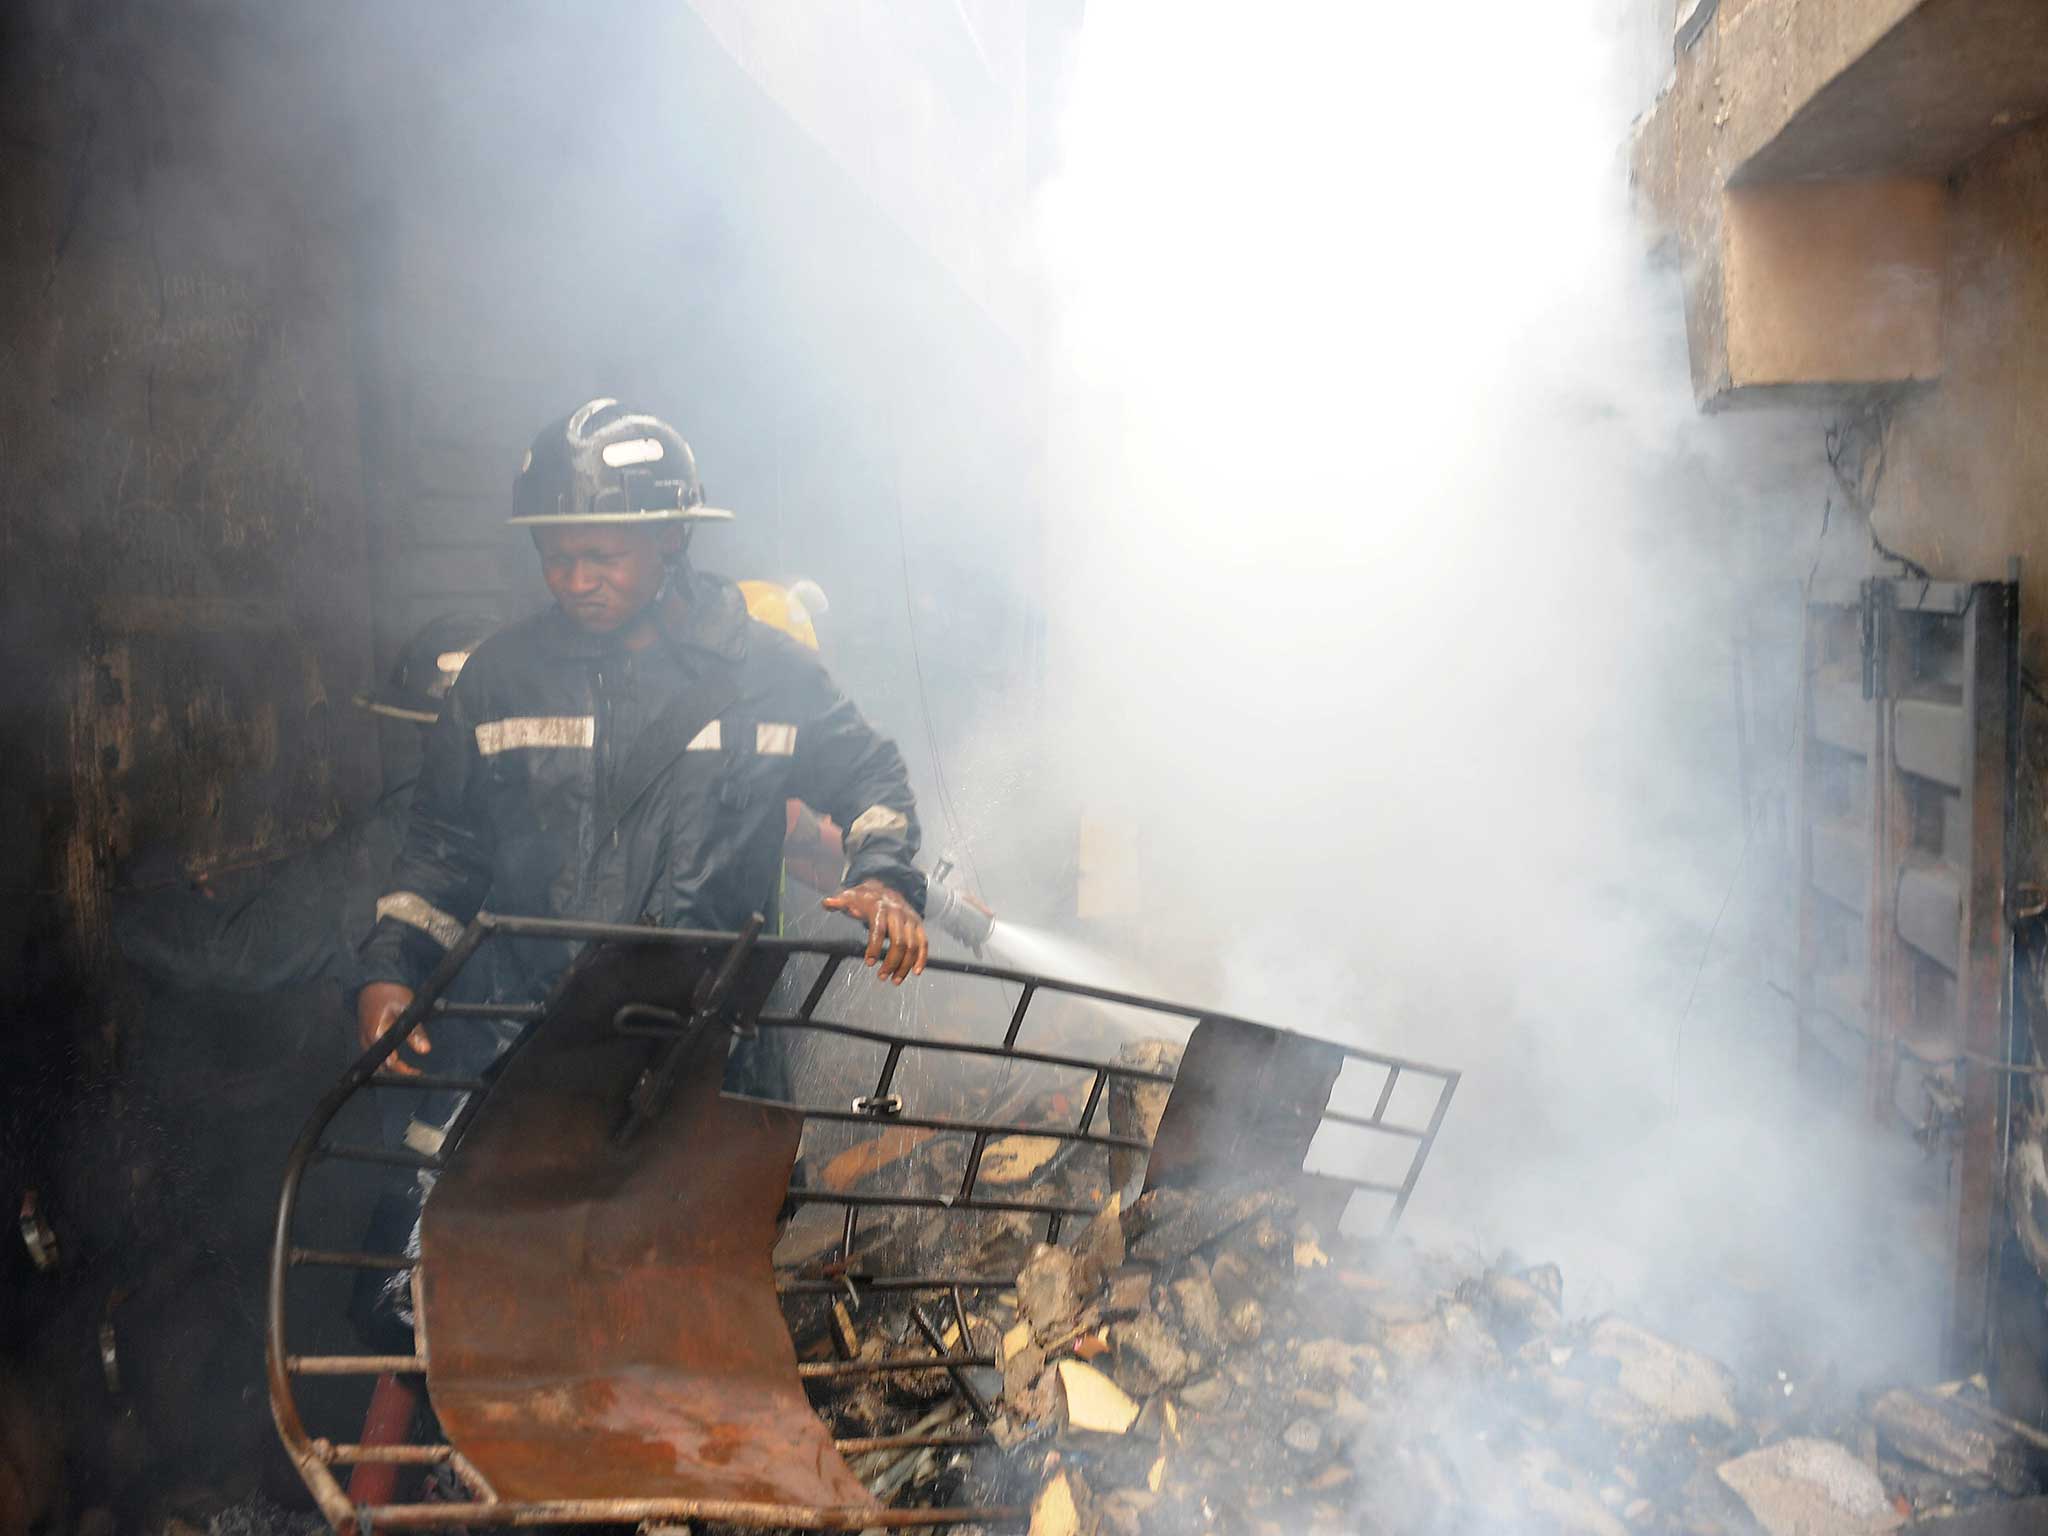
(298,923)
(626,756)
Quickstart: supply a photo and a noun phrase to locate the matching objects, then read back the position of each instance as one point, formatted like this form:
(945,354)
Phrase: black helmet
(427,668)
(606,464)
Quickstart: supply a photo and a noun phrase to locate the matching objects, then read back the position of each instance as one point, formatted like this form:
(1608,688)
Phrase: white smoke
(1397,583)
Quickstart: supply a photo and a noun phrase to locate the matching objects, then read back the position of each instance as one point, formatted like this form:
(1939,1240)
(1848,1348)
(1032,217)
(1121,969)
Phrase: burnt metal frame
(315,1457)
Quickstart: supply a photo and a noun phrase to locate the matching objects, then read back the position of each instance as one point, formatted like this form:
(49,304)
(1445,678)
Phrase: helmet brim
(665,515)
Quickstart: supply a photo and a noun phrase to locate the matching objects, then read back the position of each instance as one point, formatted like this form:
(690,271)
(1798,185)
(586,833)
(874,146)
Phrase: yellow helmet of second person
(788,609)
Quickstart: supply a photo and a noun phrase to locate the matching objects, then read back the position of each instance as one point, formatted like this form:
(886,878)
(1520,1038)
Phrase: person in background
(295,920)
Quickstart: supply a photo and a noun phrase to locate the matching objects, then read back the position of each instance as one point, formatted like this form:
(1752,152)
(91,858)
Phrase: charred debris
(1211,1360)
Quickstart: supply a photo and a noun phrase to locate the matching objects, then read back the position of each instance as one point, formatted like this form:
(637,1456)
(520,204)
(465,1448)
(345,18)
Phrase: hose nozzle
(953,911)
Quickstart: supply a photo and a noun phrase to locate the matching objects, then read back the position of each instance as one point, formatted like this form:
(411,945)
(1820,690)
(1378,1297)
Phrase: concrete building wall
(183,600)
(1840,281)
(1857,195)
(1966,462)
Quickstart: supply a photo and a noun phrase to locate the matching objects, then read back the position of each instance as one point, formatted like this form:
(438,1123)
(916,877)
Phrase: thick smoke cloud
(1399,590)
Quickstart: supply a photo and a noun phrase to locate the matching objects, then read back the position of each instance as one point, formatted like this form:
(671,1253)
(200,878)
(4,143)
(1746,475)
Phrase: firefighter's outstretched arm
(855,775)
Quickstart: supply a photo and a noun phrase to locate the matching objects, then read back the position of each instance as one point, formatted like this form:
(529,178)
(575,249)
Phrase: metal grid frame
(1907,742)
(316,1458)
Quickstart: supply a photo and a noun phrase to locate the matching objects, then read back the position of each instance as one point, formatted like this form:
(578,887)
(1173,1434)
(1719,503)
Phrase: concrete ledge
(1797,165)
(1833,283)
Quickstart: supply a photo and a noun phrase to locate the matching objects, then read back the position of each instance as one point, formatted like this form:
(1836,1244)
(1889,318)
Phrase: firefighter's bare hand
(896,937)
(377,1008)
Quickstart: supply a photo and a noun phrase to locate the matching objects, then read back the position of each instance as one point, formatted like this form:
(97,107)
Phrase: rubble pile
(1208,1361)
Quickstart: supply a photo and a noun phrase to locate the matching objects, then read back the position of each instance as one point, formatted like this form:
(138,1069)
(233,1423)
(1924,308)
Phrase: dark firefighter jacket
(568,777)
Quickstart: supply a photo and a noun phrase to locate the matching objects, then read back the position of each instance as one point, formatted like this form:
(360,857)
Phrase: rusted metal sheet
(1249,1101)
(1246,1103)
(601,1319)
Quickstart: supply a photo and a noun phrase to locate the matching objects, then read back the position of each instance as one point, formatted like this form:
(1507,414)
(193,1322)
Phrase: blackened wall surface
(181,515)
(284,290)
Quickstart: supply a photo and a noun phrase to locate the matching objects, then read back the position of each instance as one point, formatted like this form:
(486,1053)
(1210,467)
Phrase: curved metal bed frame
(317,1458)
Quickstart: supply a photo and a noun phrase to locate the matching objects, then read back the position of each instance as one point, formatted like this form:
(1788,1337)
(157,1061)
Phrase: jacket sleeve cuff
(907,880)
(397,953)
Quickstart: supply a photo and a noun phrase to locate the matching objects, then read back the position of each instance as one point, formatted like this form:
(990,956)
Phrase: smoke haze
(1398,591)
(1274,456)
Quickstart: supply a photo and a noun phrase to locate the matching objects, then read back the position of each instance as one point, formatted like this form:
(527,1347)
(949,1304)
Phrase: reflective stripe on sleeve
(417,912)
(772,740)
(874,821)
(495,736)
(710,739)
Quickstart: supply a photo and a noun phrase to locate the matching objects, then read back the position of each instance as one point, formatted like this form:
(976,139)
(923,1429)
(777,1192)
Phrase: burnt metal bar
(473,1480)
(853,1200)
(388,1455)
(1017,1018)
(964,1048)
(895,1283)
(892,1365)
(756,1516)
(429,1082)
(861,1446)
(451,1134)
(1920,595)
(443,1009)
(1379,1110)
(1095,1101)
(1338,1117)
(973,1171)
(887,1077)
(960,1317)
(343,1258)
(1436,1120)
(964,1127)
(396,1157)
(976,1403)
(355,1365)
(816,995)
